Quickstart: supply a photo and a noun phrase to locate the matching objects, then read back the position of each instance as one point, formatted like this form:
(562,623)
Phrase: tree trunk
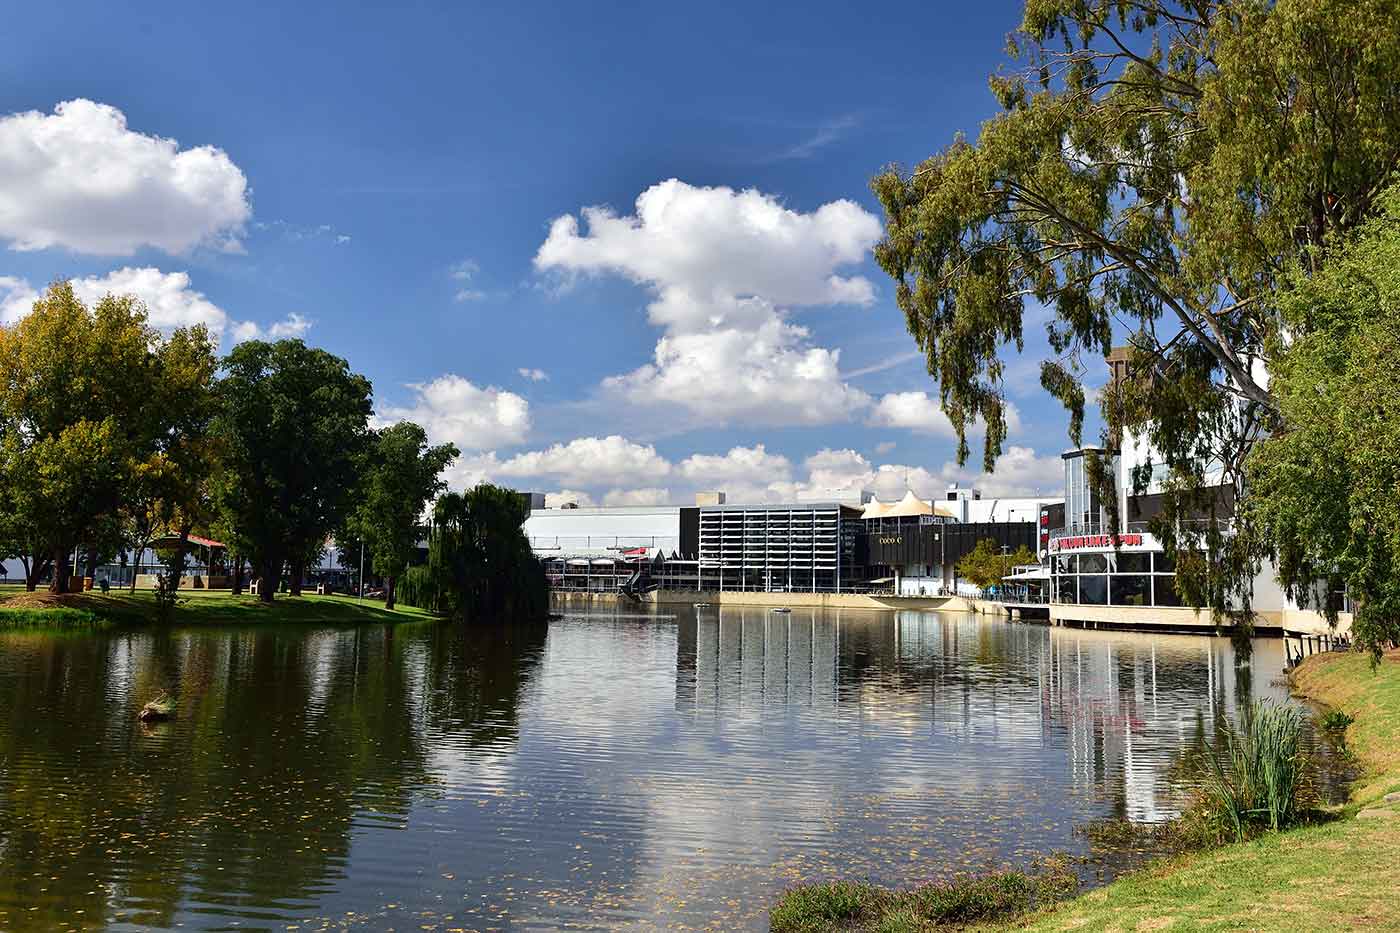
(389,583)
(91,564)
(237,575)
(60,572)
(298,569)
(177,563)
(271,576)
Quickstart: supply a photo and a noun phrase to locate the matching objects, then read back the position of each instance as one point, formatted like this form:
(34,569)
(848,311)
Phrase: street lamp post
(362,571)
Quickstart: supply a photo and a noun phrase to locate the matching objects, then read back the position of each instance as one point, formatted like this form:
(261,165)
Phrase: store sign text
(1083,541)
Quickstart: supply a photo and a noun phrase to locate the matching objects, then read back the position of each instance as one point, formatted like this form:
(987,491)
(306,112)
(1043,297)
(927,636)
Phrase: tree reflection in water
(284,738)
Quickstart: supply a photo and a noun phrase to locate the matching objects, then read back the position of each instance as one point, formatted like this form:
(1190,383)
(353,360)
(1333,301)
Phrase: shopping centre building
(852,543)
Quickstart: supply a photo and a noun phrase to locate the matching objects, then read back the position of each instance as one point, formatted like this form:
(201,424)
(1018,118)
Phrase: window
(1064,564)
(1164,591)
(1130,590)
(1093,563)
(1164,564)
(1134,563)
(1093,590)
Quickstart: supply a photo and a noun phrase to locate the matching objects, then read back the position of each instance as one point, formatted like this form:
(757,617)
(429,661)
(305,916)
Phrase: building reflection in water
(1123,711)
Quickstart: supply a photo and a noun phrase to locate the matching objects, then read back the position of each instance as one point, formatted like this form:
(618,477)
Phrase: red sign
(1085,541)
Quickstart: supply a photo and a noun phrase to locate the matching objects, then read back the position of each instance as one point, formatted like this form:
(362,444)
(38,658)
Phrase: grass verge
(1333,876)
(24,617)
(1323,877)
(197,607)
(844,905)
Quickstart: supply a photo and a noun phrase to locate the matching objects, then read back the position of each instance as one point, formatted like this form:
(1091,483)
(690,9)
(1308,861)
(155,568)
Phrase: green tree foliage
(480,565)
(1155,170)
(401,476)
(985,565)
(1325,489)
(293,424)
(89,399)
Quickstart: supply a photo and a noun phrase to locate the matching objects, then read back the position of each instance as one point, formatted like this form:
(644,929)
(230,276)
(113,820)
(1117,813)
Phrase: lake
(657,768)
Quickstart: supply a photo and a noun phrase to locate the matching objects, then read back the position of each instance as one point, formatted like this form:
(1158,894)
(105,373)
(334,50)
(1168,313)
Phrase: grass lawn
(1338,876)
(198,607)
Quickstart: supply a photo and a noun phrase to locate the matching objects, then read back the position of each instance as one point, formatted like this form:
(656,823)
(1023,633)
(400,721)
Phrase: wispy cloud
(826,134)
(534,375)
(889,362)
(299,232)
(464,272)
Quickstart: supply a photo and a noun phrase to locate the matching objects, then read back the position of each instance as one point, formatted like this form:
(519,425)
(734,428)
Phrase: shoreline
(1317,877)
(21,609)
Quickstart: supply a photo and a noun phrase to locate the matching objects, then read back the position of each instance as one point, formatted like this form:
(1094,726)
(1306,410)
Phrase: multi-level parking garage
(801,547)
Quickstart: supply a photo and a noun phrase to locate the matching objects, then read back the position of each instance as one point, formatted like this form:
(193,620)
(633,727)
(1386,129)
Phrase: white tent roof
(908,506)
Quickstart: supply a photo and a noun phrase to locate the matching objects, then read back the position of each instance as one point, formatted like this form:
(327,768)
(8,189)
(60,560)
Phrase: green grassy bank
(1334,876)
(197,607)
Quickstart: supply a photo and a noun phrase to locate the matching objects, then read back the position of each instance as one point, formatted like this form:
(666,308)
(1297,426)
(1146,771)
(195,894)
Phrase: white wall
(1008,510)
(577,527)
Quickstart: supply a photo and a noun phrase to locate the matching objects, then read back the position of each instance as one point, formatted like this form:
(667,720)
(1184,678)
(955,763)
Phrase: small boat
(780,609)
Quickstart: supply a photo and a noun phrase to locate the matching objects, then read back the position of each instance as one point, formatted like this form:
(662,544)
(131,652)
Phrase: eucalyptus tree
(1154,171)
(1325,493)
(293,423)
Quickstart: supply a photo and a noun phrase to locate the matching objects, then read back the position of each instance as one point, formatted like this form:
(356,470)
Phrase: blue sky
(389,183)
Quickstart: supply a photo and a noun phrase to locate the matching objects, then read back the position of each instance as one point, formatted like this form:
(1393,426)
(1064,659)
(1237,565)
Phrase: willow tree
(1153,173)
(480,564)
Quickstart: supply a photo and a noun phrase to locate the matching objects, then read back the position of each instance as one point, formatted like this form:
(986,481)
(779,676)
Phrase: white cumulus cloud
(590,461)
(920,412)
(80,179)
(170,298)
(562,497)
(451,408)
(293,325)
(724,268)
(646,496)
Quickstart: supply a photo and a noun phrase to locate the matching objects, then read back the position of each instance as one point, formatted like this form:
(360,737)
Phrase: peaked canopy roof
(908,506)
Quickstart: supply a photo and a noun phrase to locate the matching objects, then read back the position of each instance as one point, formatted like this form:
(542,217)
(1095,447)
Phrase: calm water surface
(608,770)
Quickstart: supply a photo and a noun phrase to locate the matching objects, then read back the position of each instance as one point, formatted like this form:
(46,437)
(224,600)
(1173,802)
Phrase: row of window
(1122,562)
(1102,589)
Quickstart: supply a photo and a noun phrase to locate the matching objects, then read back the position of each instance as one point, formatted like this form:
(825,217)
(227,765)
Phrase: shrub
(965,899)
(1337,721)
(1256,778)
(817,906)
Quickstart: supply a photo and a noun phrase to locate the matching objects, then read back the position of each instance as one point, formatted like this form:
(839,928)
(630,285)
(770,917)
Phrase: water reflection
(663,768)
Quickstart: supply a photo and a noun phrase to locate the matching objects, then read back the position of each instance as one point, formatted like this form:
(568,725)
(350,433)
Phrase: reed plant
(1256,779)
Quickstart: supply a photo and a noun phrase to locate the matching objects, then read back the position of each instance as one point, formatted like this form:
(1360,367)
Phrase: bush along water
(1256,780)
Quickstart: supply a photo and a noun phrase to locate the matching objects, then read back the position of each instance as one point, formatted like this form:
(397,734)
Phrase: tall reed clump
(1256,780)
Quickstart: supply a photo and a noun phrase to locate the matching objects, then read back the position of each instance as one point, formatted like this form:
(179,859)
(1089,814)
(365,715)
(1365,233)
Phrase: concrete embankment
(774,600)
